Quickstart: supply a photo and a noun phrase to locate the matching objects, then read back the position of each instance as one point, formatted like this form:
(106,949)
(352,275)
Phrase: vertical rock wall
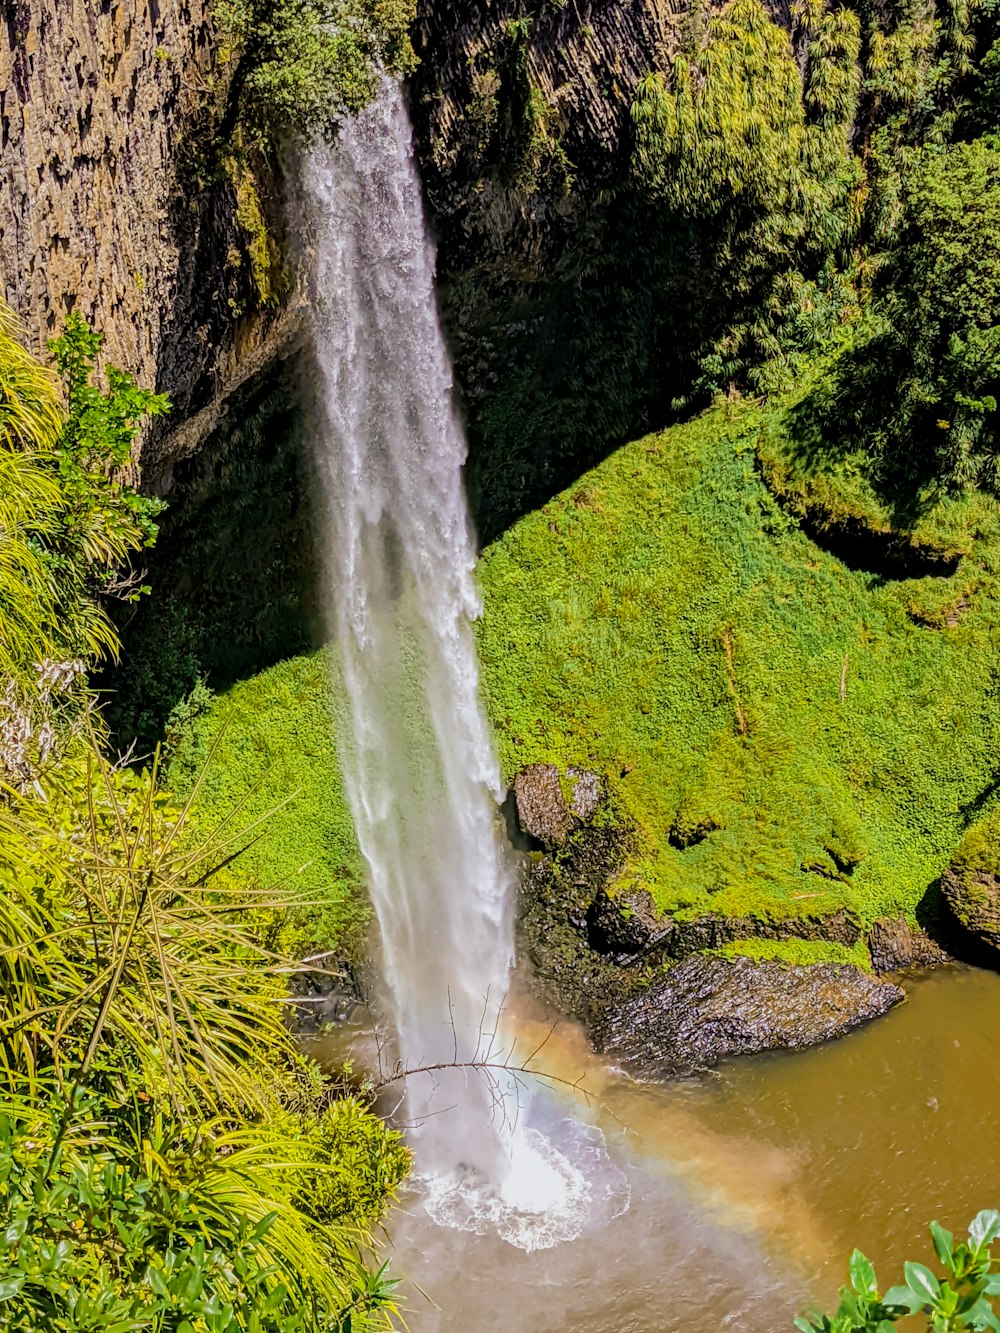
(93,102)
(102,209)
(583,58)
(522,120)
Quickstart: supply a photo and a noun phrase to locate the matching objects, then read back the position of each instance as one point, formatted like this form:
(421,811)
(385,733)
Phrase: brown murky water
(749,1187)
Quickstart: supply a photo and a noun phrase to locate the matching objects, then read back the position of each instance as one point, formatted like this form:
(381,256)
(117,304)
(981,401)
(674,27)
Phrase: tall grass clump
(169,1159)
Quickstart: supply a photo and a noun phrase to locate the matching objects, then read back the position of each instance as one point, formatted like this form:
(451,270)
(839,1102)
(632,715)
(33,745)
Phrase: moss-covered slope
(267,755)
(785,733)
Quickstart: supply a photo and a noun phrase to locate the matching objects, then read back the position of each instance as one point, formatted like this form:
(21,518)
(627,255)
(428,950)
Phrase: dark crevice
(887,554)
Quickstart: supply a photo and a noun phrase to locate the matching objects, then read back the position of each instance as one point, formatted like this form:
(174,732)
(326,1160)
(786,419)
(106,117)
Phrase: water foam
(549,1195)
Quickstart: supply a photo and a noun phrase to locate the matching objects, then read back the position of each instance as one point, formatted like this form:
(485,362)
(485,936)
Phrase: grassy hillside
(784,733)
(275,759)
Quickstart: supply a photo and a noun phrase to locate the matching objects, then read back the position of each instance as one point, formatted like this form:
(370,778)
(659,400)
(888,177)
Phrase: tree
(943,308)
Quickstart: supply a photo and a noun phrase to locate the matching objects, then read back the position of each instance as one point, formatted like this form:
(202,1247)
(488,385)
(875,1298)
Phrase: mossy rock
(782,733)
(971,884)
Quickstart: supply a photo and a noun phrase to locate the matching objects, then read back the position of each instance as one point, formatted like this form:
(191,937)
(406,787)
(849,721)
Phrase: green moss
(274,735)
(976,861)
(799,952)
(979,850)
(262,252)
(809,744)
(784,736)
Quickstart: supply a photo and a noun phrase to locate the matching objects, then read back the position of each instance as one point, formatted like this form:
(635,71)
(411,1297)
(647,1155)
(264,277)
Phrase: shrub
(960,1300)
(100,520)
(301,65)
(182,1228)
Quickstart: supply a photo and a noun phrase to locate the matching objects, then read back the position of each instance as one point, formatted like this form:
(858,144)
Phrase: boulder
(973,894)
(894,945)
(541,805)
(542,808)
(624,925)
(707,1008)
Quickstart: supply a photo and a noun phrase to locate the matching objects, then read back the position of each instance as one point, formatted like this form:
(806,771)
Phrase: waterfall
(422,778)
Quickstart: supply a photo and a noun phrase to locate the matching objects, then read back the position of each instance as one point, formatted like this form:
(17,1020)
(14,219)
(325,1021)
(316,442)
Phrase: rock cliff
(582,58)
(521,116)
(105,207)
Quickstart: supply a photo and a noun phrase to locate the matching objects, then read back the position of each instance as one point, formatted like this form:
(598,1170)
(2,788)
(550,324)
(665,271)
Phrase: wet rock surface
(625,925)
(549,809)
(564,970)
(973,895)
(895,945)
(705,1009)
(541,806)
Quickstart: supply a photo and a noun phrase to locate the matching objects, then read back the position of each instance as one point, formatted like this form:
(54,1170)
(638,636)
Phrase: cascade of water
(422,778)
(421,774)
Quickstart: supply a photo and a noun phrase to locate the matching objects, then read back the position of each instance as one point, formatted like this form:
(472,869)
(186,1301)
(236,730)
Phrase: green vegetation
(785,734)
(918,392)
(101,519)
(169,1160)
(800,953)
(170,1155)
(274,747)
(753,168)
(962,1299)
(300,66)
(533,156)
(68,522)
(68,526)
(791,183)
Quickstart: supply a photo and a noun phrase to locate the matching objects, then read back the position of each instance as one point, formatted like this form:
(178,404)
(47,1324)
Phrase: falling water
(422,778)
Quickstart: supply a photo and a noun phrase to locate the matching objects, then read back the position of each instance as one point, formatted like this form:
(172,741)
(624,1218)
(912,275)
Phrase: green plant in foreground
(30,422)
(100,520)
(960,1300)
(163,1102)
(68,525)
(169,1228)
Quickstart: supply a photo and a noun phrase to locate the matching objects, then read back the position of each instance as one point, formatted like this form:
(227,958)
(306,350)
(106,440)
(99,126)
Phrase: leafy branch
(958,1301)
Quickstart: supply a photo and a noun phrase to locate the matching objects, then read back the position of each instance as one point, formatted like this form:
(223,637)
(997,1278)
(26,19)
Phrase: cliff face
(521,116)
(104,208)
(109,206)
(568,67)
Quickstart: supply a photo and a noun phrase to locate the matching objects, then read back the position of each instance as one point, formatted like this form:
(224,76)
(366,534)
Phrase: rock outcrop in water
(655,991)
(705,1009)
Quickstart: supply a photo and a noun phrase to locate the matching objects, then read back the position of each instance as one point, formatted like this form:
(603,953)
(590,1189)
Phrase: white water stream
(422,778)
